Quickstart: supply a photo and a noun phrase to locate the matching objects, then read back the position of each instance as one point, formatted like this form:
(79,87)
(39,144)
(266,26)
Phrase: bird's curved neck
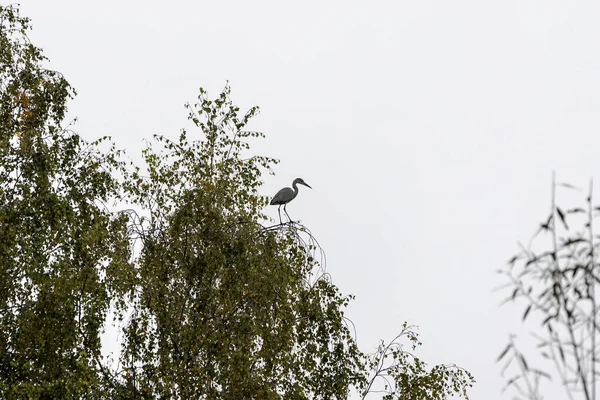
(295,186)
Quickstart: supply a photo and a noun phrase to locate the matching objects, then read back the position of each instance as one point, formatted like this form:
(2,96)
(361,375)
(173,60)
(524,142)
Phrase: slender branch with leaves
(398,373)
(556,284)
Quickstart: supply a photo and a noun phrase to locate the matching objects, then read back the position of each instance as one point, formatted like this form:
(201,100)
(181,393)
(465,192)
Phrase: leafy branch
(558,286)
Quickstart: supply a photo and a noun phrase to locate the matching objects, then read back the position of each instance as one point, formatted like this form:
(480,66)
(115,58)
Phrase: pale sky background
(428,130)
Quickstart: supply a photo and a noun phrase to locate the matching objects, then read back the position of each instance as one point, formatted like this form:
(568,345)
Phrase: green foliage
(222,306)
(57,238)
(212,303)
(402,375)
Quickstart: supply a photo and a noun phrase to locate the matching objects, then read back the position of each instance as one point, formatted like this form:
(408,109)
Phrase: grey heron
(286,195)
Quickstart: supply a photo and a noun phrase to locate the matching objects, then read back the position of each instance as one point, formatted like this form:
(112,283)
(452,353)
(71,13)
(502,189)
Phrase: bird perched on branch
(286,195)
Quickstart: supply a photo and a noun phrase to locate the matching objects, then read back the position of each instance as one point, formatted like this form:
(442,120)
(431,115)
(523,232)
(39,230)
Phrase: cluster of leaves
(557,286)
(57,239)
(222,307)
(399,374)
(212,303)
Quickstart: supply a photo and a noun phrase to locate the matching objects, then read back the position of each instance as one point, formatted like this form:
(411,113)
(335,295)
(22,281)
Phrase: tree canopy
(210,301)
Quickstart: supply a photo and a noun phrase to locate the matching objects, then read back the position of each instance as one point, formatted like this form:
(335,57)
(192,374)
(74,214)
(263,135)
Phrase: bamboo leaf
(504,352)
(526,312)
(561,215)
(542,373)
(562,353)
(523,362)
(571,241)
(568,186)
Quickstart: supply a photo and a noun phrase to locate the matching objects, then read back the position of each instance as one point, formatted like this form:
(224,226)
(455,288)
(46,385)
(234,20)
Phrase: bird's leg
(279,212)
(285,211)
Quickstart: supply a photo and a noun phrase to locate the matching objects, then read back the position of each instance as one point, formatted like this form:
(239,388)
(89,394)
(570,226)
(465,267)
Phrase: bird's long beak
(306,184)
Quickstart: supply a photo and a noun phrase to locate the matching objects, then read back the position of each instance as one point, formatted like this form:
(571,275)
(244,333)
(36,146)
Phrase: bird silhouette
(286,195)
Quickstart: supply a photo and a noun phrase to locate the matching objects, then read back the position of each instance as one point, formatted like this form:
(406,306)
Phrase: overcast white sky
(428,130)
